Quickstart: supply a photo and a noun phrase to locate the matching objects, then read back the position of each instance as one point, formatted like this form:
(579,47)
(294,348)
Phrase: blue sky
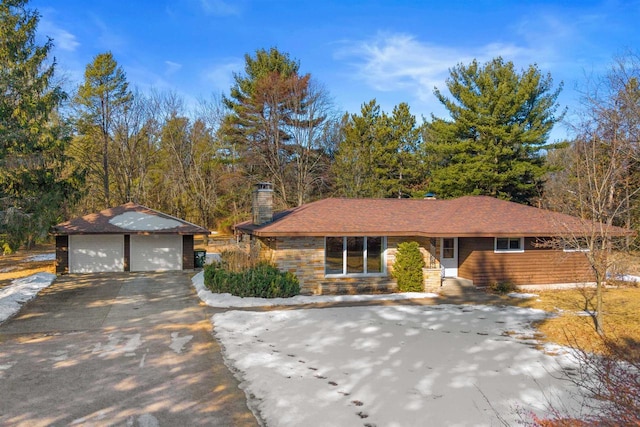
(394,51)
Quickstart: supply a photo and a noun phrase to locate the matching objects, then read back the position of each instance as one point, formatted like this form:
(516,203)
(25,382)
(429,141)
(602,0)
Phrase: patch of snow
(118,344)
(522,295)
(42,257)
(627,278)
(212,257)
(586,313)
(391,365)
(148,420)
(139,221)
(228,300)
(20,291)
(7,269)
(178,343)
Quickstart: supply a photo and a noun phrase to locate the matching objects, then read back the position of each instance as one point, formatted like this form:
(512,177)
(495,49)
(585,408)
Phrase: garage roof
(130,218)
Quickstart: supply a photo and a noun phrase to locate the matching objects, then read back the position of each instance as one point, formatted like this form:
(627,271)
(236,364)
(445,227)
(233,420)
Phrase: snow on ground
(391,365)
(628,278)
(20,291)
(42,257)
(228,300)
(521,295)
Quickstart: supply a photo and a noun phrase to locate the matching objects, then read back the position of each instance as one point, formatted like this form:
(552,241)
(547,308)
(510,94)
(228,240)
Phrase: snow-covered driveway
(391,366)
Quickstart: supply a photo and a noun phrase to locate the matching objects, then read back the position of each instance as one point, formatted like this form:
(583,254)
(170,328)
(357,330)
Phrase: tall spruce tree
(101,98)
(32,135)
(500,122)
(379,155)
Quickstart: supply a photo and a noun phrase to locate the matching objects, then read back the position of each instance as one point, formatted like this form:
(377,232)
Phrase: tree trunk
(598,314)
(105,167)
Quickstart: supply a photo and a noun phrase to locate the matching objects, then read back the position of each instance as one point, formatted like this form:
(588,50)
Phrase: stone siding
(304,257)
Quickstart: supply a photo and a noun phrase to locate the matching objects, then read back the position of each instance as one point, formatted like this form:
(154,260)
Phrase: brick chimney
(262,203)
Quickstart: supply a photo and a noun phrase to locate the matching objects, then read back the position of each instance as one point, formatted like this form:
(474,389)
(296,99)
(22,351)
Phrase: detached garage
(129,237)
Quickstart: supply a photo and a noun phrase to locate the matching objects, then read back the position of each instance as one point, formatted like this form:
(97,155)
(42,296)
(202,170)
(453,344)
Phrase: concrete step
(456,286)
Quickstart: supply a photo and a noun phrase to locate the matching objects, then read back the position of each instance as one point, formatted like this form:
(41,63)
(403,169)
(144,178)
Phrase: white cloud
(172,67)
(221,75)
(219,7)
(401,62)
(62,39)
(107,37)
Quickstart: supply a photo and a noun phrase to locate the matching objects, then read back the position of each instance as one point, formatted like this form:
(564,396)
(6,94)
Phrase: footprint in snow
(357,402)
(363,414)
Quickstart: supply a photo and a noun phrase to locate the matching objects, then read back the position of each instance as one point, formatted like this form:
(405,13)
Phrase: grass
(17,265)
(572,327)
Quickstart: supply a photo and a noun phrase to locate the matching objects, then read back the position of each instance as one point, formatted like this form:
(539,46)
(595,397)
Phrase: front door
(449,256)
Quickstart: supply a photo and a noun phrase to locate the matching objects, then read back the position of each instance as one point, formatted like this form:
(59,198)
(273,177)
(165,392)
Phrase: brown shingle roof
(469,216)
(147,221)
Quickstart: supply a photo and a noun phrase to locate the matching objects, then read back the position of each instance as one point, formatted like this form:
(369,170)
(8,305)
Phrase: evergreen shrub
(262,281)
(407,268)
(502,288)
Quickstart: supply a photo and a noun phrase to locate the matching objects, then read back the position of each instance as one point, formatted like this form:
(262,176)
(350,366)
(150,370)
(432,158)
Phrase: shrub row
(262,281)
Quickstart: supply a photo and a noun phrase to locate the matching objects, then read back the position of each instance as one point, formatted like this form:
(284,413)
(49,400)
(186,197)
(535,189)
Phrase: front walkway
(116,349)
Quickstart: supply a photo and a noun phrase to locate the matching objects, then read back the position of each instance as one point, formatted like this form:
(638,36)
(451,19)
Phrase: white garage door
(156,252)
(96,253)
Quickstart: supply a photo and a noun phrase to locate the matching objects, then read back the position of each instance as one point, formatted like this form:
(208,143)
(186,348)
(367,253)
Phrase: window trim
(568,249)
(508,251)
(383,256)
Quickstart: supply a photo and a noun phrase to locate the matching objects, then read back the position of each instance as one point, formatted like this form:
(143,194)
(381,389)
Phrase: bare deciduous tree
(599,182)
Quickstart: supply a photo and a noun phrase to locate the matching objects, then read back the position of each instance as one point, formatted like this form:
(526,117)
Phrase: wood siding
(127,252)
(478,262)
(188,255)
(62,254)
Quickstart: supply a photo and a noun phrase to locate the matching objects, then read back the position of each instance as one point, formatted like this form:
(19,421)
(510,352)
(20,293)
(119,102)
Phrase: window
(333,263)
(448,246)
(509,244)
(356,256)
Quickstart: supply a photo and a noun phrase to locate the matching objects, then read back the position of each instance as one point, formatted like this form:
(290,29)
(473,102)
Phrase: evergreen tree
(406,162)
(353,166)
(379,155)
(277,123)
(101,98)
(32,135)
(494,142)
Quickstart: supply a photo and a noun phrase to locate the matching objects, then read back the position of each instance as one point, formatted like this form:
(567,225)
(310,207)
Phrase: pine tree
(379,155)
(32,134)
(494,142)
(278,123)
(101,98)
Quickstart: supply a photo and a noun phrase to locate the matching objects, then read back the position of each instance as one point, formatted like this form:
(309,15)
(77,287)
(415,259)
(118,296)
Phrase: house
(129,237)
(339,245)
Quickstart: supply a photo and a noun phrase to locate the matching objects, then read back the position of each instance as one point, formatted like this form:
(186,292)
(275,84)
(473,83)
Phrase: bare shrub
(611,387)
(240,259)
